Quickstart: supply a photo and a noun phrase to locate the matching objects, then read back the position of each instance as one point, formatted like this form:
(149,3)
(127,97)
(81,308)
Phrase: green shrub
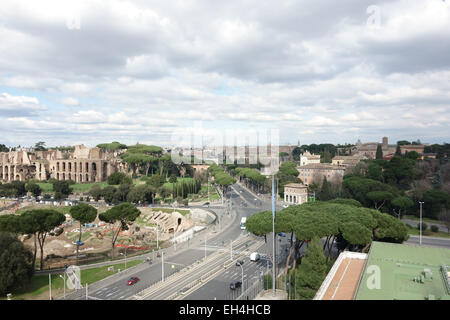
(434,228)
(267,279)
(424,226)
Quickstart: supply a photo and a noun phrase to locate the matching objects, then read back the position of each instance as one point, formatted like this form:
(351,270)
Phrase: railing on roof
(445,274)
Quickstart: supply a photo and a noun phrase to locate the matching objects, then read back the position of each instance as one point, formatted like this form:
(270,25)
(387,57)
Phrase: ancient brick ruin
(82,165)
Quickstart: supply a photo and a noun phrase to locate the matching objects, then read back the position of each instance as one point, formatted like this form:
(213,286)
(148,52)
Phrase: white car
(285,205)
(254,256)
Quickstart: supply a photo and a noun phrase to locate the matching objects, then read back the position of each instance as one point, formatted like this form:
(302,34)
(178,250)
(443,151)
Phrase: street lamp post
(50,285)
(420,223)
(162,266)
(242,269)
(64,279)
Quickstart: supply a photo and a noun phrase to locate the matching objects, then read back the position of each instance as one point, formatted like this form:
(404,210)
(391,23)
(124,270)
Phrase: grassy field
(63,210)
(39,286)
(167,210)
(168,185)
(80,187)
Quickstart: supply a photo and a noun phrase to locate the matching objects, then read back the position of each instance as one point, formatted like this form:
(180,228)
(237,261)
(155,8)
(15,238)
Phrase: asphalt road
(242,204)
(429,241)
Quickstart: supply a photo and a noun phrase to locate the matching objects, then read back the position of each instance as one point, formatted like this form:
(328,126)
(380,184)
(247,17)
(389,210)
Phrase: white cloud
(143,68)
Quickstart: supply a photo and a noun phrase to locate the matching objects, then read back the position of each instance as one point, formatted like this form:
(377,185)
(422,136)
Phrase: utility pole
(420,223)
(64,279)
(87,295)
(50,285)
(231,250)
(205,246)
(162,265)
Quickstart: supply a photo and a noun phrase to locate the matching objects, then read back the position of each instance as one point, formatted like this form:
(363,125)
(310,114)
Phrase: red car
(132,281)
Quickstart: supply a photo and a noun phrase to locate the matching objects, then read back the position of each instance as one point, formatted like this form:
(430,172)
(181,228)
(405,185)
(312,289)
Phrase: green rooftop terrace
(406,272)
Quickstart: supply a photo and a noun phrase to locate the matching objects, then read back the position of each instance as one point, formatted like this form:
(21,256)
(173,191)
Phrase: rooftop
(295,185)
(320,166)
(407,272)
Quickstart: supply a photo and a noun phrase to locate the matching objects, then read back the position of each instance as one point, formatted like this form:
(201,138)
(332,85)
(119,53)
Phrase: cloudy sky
(136,71)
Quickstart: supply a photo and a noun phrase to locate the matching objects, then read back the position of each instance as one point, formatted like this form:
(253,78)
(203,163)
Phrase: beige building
(347,161)
(81,165)
(317,171)
(369,149)
(308,158)
(412,147)
(295,193)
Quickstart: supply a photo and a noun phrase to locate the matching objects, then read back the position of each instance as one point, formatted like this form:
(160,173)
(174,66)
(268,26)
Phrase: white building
(308,158)
(295,193)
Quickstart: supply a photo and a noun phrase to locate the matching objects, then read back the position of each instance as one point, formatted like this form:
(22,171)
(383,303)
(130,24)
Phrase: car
(132,281)
(239,263)
(78,242)
(281,234)
(235,284)
(255,256)
(205,205)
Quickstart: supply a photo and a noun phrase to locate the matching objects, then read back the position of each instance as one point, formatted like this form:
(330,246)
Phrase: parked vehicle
(239,263)
(235,284)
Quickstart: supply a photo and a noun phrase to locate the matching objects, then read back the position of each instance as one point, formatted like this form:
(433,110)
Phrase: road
(242,204)
(430,241)
(415,223)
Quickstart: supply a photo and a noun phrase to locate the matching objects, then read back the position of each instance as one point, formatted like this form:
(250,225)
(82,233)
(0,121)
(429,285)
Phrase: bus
(243,220)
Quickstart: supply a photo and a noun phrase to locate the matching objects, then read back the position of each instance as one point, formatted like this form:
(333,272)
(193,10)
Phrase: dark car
(235,284)
(239,263)
(282,234)
(132,281)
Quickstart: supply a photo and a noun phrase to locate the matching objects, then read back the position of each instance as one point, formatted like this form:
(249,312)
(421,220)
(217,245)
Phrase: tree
(62,189)
(15,263)
(326,156)
(34,189)
(156,181)
(83,213)
(289,169)
(118,178)
(141,194)
(398,151)
(40,146)
(374,172)
(173,178)
(401,204)
(3,148)
(121,216)
(325,192)
(379,198)
(444,216)
(42,221)
(312,270)
(96,192)
(434,201)
(379,153)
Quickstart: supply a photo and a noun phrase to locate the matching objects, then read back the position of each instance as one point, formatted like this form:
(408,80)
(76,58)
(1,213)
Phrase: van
(254,256)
